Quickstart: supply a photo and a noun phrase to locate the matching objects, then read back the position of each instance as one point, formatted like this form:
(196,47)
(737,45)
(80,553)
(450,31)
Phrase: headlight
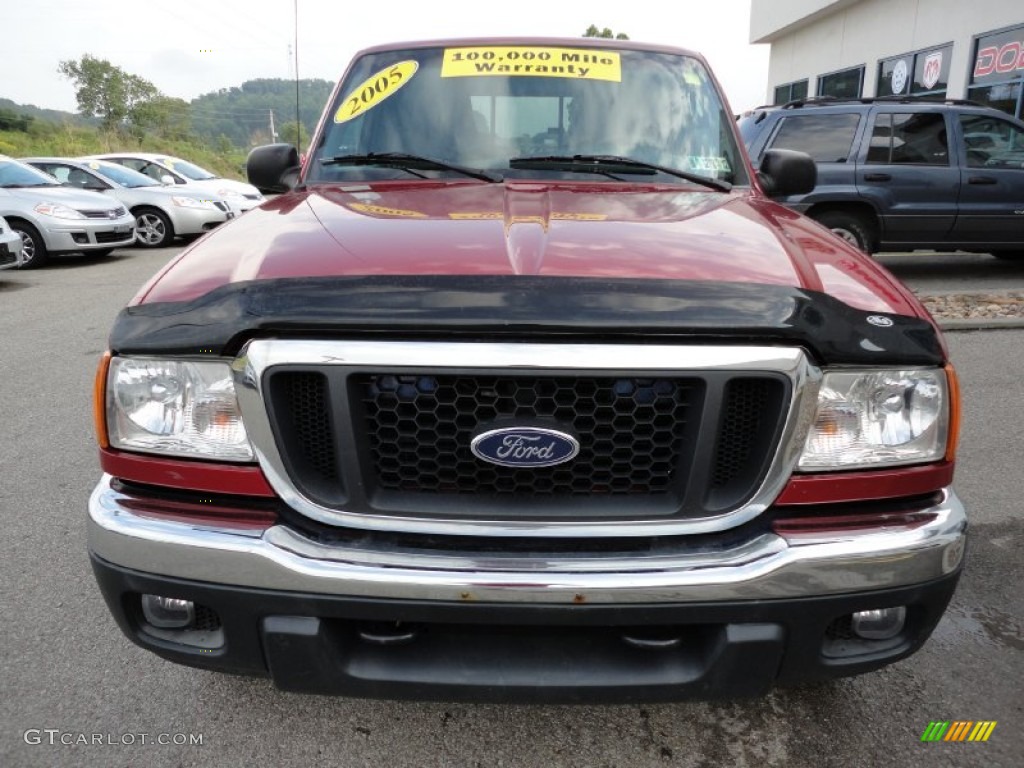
(878,418)
(191,202)
(175,408)
(58,211)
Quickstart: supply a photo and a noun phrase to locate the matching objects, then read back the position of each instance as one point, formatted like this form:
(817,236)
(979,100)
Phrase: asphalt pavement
(75,692)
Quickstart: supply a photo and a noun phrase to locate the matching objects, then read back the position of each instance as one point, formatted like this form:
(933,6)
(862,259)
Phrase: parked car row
(98,203)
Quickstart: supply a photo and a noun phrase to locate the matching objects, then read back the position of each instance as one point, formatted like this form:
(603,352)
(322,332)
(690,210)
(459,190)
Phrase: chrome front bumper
(766,566)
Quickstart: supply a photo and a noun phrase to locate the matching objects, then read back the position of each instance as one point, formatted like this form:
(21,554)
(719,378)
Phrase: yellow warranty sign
(532,61)
(374,89)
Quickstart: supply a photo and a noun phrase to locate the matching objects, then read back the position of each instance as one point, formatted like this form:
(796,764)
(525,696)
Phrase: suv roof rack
(826,101)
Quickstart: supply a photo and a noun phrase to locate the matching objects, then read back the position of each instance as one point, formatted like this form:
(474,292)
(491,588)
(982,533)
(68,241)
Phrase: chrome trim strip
(765,567)
(262,354)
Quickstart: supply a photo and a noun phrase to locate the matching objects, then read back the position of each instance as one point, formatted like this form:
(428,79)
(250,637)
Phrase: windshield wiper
(605,164)
(406,162)
(16,185)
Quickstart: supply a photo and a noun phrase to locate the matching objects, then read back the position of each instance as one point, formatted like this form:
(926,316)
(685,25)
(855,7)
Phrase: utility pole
(298,124)
(273,131)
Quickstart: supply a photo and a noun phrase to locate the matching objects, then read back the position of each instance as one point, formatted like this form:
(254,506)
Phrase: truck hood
(528,261)
(568,230)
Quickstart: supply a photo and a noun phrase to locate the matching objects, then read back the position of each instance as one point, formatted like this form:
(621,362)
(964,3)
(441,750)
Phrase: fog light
(168,612)
(80,238)
(879,624)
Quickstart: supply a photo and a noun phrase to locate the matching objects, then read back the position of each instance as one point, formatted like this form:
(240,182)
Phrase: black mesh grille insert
(304,424)
(743,408)
(419,427)
(749,416)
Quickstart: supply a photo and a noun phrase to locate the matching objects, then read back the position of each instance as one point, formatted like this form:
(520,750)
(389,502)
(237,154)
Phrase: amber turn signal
(99,401)
(954,412)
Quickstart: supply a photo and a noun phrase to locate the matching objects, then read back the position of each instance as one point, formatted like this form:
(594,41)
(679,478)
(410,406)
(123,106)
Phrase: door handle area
(981,180)
(877,177)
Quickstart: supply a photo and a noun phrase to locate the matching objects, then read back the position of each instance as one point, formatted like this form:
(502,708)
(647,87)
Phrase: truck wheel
(32,246)
(152,228)
(851,227)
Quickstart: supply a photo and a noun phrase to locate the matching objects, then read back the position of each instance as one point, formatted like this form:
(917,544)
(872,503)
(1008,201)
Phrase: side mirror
(273,167)
(167,180)
(786,172)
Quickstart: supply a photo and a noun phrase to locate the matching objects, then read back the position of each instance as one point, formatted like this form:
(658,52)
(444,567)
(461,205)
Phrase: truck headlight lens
(878,418)
(175,408)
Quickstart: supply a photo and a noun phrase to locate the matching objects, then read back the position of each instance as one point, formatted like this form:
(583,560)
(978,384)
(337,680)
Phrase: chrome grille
(108,213)
(673,439)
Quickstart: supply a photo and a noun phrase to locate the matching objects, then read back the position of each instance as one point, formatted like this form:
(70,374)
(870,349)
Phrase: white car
(54,219)
(161,213)
(10,246)
(173,170)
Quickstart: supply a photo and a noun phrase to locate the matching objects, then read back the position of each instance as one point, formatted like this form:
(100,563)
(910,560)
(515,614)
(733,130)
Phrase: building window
(922,73)
(790,92)
(842,85)
(997,76)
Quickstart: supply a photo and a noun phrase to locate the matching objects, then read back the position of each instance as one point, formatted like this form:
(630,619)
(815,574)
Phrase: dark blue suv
(904,174)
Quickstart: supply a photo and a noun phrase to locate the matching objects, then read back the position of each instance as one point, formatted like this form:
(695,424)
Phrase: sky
(190,47)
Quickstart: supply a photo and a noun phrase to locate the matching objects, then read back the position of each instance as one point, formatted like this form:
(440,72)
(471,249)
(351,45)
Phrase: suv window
(991,142)
(917,138)
(826,138)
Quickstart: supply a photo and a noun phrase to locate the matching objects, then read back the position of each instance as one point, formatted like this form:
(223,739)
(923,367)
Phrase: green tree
(165,115)
(108,92)
(223,145)
(593,31)
(288,134)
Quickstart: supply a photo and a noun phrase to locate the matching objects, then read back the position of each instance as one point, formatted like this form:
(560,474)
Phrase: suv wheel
(851,227)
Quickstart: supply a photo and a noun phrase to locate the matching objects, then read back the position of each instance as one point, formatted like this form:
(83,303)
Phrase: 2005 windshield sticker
(374,89)
(531,61)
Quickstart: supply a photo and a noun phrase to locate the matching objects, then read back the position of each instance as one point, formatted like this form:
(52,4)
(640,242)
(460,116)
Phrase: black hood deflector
(525,307)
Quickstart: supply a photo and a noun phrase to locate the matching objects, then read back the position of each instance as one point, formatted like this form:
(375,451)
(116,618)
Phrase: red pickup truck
(524,389)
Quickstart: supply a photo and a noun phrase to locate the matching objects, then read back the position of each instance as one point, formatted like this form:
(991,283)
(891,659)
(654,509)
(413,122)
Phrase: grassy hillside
(64,140)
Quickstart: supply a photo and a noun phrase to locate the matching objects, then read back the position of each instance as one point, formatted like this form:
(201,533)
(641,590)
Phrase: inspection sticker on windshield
(374,89)
(532,61)
(707,163)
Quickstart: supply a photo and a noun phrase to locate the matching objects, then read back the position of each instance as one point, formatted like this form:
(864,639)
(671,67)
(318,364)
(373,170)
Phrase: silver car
(11,254)
(54,219)
(161,213)
(179,173)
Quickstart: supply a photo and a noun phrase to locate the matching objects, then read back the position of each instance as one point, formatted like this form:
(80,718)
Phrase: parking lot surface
(77,693)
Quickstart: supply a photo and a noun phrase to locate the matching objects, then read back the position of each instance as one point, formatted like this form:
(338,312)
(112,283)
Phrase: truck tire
(851,227)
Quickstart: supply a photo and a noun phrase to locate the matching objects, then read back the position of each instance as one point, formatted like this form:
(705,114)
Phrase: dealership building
(953,49)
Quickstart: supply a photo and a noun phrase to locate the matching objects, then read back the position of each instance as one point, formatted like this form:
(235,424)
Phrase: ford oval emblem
(525,447)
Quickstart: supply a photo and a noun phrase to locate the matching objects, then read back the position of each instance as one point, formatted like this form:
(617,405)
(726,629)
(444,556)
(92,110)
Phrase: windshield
(126,177)
(186,169)
(14,174)
(483,106)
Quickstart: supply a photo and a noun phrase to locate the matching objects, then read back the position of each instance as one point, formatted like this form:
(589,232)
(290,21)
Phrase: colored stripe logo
(958,730)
